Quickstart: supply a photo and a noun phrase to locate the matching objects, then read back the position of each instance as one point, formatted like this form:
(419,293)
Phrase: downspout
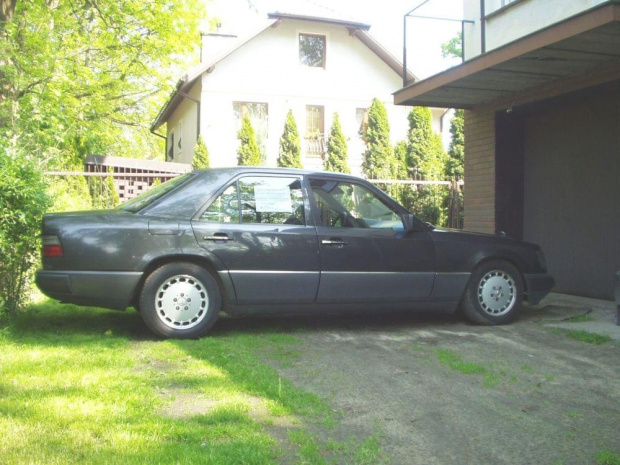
(165,143)
(197,102)
(483,46)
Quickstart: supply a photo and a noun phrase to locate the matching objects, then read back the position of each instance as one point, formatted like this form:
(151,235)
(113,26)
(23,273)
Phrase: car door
(259,227)
(366,253)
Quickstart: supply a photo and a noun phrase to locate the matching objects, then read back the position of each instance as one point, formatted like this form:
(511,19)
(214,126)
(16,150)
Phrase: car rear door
(259,227)
(366,254)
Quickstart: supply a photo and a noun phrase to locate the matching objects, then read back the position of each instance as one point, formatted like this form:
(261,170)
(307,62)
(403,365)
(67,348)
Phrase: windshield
(138,203)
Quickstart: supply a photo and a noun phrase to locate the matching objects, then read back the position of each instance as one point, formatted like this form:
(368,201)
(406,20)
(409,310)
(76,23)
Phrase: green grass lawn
(94,386)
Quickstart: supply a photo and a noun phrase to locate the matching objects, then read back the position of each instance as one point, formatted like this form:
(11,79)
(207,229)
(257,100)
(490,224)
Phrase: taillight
(51,247)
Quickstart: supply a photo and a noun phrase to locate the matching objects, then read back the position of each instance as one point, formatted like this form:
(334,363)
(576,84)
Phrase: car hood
(472,236)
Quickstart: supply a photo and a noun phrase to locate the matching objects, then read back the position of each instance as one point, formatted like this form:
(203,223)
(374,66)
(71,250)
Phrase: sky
(424,37)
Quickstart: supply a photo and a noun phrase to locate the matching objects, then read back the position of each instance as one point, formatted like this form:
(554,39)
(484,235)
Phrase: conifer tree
(425,154)
(201,155)
(337,152)
(377,162)
(290,146)
(456,151)
(248,153)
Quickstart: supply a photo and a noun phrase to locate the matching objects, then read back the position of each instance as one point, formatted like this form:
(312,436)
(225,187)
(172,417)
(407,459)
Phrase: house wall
(517,19)
(183,125)
(267,70)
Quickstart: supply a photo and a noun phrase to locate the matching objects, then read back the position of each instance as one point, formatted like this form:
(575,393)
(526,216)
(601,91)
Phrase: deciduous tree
(86,76)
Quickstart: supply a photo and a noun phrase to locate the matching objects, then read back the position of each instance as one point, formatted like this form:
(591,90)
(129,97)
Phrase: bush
(23,200)
(337,152)
(248,153)
(290,146)
(201,155)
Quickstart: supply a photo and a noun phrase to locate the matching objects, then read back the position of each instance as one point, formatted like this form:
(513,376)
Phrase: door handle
(218,237)
(334,241)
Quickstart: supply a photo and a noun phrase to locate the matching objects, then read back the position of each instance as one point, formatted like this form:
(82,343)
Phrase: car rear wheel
(494,293)
(180,300)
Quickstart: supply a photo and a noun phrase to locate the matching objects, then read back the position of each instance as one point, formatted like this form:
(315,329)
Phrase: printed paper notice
(273,199)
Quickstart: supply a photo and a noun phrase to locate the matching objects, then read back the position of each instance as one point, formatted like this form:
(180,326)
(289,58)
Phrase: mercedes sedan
(243,240)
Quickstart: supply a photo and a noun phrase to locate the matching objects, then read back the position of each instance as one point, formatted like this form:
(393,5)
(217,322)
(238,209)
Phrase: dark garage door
(571,203)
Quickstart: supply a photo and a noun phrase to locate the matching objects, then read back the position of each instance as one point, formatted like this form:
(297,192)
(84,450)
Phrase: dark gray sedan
(244,240)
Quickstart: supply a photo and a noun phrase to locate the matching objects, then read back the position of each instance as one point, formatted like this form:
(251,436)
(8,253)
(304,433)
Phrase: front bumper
(106,289)
(537,286)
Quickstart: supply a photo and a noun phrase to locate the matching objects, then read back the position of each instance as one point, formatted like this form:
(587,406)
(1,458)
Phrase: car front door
(366,253)
(258,227)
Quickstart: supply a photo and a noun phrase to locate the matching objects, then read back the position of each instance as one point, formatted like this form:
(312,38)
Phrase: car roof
(233,171)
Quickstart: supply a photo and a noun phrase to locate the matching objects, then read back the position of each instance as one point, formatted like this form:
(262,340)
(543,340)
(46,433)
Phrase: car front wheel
(494,293)
(180,300)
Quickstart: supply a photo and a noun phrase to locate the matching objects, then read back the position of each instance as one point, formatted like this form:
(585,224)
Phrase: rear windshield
(147,198)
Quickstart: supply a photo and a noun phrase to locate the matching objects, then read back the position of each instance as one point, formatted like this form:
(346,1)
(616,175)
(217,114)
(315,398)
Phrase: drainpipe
(165,143)
(483,45)
(197,102)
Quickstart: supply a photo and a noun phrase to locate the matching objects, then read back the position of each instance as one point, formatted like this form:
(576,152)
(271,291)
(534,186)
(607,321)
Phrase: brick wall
(480,169)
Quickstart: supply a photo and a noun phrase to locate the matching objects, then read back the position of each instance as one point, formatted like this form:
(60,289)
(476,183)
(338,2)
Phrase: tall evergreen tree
(425,154)
(201,155)
(290,146)
(456,152)
(377,162)
(337,152)
(248,153)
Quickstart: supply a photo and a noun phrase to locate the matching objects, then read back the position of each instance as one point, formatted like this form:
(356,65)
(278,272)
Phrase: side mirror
(411,223)
(408,221)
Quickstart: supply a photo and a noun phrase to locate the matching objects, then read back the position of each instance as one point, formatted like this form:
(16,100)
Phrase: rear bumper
(538,286)
(106,289)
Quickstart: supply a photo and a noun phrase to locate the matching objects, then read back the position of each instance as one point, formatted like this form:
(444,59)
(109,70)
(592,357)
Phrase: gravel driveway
(441,391)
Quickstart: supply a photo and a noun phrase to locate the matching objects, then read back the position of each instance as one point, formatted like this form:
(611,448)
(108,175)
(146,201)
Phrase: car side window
(225,209)
(350,205)
(259,199)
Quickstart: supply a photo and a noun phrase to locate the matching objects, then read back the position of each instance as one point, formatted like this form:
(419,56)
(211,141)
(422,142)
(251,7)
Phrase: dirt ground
(441,391)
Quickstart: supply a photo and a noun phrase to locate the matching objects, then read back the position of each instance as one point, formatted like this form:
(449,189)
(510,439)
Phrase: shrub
(248,153)
(290,147)
(337,152)
(23,200)
(377,162)
(201,155)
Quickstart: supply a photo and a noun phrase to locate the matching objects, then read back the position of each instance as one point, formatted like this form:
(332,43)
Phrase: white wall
(187,115)
(518,19)
(267,69)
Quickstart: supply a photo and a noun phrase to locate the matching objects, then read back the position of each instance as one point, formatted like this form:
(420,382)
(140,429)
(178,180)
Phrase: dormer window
(312,50)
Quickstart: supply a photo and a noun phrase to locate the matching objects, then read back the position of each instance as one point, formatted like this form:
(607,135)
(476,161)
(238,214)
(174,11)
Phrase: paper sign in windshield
(273,199)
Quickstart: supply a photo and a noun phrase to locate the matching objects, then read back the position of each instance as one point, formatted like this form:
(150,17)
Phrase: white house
(313,63)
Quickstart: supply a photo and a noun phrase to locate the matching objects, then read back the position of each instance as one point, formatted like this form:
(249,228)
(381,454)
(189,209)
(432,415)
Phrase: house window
(259,116)
(494,5)
(315,130)
(312,50)
(361,116)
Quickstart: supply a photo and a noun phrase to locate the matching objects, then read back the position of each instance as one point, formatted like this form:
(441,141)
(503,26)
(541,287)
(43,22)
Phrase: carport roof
(575,47)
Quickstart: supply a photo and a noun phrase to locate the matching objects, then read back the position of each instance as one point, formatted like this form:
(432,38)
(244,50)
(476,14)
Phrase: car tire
(180,301)
(494,294)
